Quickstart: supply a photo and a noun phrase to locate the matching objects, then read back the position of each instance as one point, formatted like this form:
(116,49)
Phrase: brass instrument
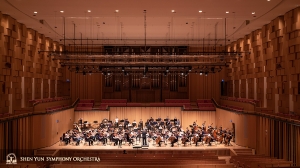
(79,130)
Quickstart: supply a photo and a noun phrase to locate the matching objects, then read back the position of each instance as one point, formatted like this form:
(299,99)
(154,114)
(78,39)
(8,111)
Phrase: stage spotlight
(206,73)
(123,69)
(167,69)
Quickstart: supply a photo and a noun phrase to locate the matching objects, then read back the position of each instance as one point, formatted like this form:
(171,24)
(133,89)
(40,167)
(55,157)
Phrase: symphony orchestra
(159,131)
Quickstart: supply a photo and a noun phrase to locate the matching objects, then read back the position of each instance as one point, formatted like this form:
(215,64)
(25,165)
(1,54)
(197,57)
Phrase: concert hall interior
(210,83)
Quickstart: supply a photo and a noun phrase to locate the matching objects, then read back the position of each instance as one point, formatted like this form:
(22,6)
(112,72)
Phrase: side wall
(21,136)
(270,73)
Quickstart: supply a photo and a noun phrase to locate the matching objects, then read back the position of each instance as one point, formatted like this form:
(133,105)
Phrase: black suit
(144,136)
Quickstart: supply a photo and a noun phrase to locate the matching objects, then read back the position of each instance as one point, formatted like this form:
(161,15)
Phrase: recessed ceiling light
(89,11)
(117,11)
(253,13)
(61,11)
(227,11)
(34,12)
(173,11)
(268,0)
(200,11)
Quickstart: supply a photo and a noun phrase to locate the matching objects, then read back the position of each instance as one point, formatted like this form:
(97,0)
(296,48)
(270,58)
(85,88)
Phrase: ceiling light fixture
(200,11)
(268,0)
(253,13)
(89,11)
(227,11)
(61,11)
(117,11)
(173,11)
(35,12)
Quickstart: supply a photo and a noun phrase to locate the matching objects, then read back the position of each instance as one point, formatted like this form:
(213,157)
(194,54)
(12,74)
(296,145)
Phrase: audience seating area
(233,108)
(244,100)
(114,102)
(85,104)
(177,102)
(56,108)
(243,159)
(205,105)
(37,101)
(290,115)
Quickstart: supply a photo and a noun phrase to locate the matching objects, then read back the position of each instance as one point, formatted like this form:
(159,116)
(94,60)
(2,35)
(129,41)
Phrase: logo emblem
(11,159)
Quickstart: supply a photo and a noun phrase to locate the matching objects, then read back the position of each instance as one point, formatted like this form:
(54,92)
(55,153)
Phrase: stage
(151,147)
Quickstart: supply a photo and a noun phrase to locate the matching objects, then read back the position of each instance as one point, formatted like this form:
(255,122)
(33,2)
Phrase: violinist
(89,138)
(103,138)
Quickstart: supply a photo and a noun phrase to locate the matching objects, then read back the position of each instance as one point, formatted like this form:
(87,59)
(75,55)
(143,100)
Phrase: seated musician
(174,139)
(178,122)
(76,138)
(141,124)
(209,139)
(116,122)
(159,140)
(184,139)
(198,137)
(89,138)
(126,123)
(228,138)
(120,137)
(66,138)
(102,137)
(115,139)
(129,138)
(134,123)
(138,136)
(168,122)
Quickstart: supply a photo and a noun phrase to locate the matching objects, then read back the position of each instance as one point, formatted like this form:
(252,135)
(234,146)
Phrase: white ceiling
(181,27)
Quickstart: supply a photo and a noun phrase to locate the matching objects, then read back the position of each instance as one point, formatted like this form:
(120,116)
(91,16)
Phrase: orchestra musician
(116,122)
(159,140)
(66,138)
(129,137)
(89,138)
(141,124)
(184,139)
(173,140)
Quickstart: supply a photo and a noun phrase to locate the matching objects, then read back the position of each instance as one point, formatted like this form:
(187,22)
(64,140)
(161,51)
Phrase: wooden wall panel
(49,127)
(144,113)
(275,56)
(205,87)
(85,87)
